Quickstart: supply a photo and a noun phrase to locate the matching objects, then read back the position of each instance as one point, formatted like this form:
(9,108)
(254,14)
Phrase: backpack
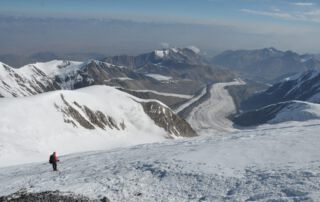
(51,159)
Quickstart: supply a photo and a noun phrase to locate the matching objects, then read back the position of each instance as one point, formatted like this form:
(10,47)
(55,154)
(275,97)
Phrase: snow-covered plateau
(270,163)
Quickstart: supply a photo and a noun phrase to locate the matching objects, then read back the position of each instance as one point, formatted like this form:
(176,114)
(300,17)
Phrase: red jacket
(55,157)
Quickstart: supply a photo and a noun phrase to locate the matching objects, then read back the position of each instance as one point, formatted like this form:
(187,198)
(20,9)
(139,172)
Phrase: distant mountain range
(181,71)
(176,75)
(266,64)
(183,63)
(171,57)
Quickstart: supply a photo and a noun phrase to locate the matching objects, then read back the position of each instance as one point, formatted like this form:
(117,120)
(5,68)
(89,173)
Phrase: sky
(281,22)
(200,11)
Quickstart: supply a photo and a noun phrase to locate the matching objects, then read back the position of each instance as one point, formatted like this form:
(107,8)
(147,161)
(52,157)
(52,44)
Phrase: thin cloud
(307,16)
(274,13)
(303,4)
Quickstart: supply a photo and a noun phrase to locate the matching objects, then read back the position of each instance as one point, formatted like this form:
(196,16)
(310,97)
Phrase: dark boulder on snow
(48,196)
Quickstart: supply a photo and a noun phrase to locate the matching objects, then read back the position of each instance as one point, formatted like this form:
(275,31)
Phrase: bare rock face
(73,114)
(165,118)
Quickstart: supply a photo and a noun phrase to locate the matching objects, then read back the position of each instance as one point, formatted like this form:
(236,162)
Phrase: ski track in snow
(271,163)
(210,117)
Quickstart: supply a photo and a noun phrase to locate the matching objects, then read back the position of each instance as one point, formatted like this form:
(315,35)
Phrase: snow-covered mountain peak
(195,49)
(2,64)
(12,83)
(51,68)
(174,52)
(161,53)
(272,50)
(4,70)
(38,77)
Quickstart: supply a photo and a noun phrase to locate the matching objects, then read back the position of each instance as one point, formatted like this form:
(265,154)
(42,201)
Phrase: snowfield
(32,127)
(210,117)
(159,77)
(270,163)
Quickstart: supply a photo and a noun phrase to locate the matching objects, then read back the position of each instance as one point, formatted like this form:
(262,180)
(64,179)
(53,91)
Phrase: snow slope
(60,68)
(92,118)
(297,111)
(50,68)
(210,117)
(271,163)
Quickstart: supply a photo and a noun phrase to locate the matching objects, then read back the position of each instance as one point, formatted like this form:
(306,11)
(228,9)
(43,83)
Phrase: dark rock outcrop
(166,119)
(48,196)
(92,119)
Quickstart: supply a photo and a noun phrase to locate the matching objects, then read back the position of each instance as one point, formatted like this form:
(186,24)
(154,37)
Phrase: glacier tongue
(211,116)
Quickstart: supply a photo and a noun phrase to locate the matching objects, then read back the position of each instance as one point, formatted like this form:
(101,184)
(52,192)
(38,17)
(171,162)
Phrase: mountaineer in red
(53,160)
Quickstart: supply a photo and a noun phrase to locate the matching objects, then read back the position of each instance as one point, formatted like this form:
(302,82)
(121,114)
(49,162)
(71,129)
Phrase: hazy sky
(277,11)
(284,24)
